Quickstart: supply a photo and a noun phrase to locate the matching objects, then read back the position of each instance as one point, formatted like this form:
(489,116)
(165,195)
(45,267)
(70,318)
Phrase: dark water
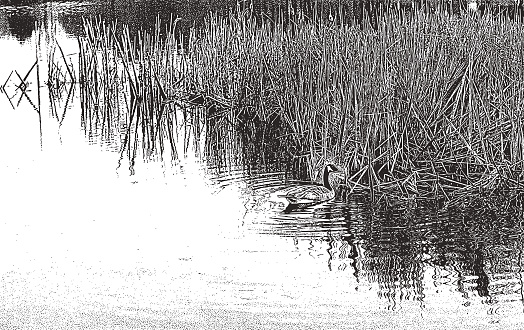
(19,20)
(96,236)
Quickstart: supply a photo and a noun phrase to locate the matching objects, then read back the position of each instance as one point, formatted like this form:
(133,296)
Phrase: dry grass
(429,105)
(136,85)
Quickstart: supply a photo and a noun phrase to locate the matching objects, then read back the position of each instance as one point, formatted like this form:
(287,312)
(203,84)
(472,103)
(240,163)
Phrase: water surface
(94,239)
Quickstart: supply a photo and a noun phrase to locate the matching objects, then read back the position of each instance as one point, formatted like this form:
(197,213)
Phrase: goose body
(311,194)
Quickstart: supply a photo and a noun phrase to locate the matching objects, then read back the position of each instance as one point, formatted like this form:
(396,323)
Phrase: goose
(311,194)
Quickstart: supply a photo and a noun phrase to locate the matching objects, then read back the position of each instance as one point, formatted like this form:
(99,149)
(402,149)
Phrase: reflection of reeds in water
(476,250)
(505,263)
(476,247)
(399,277)
(392,251)
(367,248)
(490,256)
(60,72)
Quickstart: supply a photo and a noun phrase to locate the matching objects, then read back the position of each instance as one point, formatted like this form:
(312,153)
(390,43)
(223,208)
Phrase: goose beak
(333,168)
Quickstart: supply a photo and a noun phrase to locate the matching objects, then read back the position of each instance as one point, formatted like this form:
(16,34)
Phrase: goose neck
(327,184)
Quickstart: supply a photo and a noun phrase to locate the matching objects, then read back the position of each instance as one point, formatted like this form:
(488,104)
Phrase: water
(92,239)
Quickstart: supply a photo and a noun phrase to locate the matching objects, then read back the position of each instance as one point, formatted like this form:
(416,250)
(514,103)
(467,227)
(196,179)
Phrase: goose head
(330,168)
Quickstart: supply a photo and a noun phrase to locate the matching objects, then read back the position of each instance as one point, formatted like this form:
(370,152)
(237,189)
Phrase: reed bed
(427,105)
(430,105)
(134,87)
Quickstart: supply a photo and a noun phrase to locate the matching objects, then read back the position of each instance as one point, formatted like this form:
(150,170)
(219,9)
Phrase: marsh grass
(430,105)
(134,87)
(424,106)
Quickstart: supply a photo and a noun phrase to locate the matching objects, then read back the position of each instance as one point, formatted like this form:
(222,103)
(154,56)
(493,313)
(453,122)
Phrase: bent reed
(431,105)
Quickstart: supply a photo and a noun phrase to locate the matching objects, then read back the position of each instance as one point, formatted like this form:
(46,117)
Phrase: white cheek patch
(472,6)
